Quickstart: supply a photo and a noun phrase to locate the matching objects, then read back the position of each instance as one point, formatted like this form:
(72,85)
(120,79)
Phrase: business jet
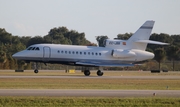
(116,53)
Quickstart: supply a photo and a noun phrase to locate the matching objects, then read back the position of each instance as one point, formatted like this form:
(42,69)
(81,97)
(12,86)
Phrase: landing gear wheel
(99,73)
(36,71)
(87,72)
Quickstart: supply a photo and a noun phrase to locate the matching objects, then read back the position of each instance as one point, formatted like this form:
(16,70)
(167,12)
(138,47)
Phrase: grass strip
(89,83)
(87,102)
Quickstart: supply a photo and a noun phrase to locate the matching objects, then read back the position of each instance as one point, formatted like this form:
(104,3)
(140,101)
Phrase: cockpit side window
(33,48)
(37,48)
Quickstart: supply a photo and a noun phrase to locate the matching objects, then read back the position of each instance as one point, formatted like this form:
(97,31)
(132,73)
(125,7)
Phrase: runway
(89,93)
(74,76)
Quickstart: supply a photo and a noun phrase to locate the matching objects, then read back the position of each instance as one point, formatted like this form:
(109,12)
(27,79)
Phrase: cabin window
(58,51)
(96,53)
(62,51)
(88,53)
(69,52)
(76,52)
(84,53)
(80,52)
(92,53)
(66,52)
(100,54)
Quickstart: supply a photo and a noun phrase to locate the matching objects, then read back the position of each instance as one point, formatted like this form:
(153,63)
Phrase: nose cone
(18,55)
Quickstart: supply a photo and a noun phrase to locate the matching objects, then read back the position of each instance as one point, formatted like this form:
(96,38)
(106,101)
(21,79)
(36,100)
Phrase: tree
(162,37)
(100,40)
(173,53)
(62,35)
(125,36)
(176,40)
(3,58)
(160,55)
(5,36)
(77,38)
(35,40)
(24,40)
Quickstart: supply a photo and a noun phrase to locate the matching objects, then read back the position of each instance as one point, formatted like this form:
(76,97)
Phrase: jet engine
(118,53)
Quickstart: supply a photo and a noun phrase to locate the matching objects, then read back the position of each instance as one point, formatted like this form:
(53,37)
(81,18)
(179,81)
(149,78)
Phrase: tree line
(10,44)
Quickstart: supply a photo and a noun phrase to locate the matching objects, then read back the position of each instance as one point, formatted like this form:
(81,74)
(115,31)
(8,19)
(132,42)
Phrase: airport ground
(114,88)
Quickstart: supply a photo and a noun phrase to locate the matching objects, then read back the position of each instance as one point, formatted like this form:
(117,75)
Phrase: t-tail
(140,38)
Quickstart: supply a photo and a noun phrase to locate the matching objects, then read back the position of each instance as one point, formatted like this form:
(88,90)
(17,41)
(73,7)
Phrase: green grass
(87,102)
(89,83)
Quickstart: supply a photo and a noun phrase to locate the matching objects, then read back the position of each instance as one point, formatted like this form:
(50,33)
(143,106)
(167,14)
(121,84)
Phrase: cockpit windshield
(33,48)
(29,48)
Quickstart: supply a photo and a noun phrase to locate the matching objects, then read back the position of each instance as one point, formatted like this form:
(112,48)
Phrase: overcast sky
(93,17)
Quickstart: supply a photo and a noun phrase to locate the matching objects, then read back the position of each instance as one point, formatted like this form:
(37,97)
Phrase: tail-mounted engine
(118,53)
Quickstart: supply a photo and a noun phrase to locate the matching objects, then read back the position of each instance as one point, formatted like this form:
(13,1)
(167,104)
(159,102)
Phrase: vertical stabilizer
(143,33)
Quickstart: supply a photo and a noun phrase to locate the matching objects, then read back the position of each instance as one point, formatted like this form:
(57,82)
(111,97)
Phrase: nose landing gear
(36,71)
(36,67)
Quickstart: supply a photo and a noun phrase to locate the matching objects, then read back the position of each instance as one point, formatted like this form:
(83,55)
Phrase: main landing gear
(87,73)
(100,73)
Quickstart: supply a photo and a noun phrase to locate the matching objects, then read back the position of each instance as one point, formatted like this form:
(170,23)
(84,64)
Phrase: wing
(103,65)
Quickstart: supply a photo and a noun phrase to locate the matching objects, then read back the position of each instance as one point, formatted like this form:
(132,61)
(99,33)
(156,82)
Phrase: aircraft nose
(15,55)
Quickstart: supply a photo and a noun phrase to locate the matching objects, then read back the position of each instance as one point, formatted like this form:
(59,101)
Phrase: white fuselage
(115,53)
(82,55)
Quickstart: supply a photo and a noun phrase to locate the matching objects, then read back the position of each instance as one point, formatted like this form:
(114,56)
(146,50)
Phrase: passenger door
(46,53)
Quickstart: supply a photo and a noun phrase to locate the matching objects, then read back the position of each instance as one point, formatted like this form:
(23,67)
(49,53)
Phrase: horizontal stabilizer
(151,42)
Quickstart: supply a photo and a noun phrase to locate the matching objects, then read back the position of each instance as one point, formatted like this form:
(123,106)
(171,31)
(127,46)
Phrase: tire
(87,72)
(36,71)
(99,73)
